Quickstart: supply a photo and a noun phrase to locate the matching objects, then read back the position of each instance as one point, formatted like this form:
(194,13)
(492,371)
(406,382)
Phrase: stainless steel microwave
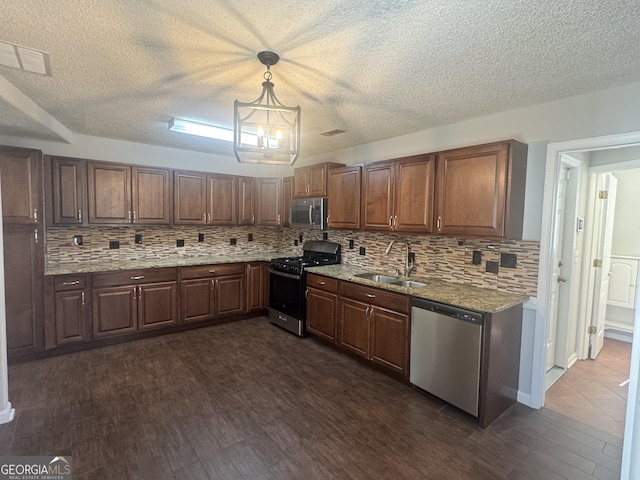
(310,213)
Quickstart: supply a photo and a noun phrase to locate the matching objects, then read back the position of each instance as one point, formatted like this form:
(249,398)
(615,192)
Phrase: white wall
(626,225)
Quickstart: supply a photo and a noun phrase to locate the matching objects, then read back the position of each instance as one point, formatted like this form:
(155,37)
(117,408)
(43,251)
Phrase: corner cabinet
(344,189)
(480,190)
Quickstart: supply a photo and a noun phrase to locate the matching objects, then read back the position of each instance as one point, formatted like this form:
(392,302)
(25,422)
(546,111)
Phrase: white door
(557,268)
(605,209)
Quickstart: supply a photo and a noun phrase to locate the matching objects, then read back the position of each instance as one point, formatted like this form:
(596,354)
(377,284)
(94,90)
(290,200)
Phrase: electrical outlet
(362,251)
(412,257)
(180,243)
(77,240)
(476,257)
(233,241)
(114,244)
(137,238)
(492,267)
(508,260)
(250,237)
(201,237)
(295,243)
(325,236)
(300,238)
(351,244)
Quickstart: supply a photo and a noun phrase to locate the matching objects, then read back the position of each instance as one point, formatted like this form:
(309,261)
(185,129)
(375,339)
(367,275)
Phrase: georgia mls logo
(35,468)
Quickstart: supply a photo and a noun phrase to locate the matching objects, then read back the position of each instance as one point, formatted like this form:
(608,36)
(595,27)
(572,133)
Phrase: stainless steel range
(287,284)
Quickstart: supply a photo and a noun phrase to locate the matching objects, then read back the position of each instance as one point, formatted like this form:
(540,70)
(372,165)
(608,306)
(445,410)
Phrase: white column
(6,412)
(631,447)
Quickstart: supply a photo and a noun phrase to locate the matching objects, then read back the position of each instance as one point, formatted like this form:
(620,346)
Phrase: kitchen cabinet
(398,195)
(208,291)
(125,302)
(322,306)
(256,288)
(344,191)
(201,198)
(121,194)
(65,190)
(481,190)
(67,307)
(20,170)
(246,201)
(268,208)
(374,324)
(311,181)
(287,195)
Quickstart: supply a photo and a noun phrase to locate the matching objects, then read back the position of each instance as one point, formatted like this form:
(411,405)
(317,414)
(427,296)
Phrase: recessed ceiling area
(375,69)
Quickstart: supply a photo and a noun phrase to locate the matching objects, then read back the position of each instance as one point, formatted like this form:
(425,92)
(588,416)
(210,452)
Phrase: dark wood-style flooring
(246,400)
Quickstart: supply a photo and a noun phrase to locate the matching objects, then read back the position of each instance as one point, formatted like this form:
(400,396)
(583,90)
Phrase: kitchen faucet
(408,264)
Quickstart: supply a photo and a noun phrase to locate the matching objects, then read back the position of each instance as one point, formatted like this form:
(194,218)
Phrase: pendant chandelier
(265,130)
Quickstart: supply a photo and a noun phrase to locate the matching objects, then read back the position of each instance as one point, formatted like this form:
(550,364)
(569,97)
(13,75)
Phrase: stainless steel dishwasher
(446,343)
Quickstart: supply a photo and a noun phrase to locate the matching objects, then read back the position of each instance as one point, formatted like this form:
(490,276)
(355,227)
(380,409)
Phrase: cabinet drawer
(65,283)
(322,283)
(132,277)
(201,271)
(375,296)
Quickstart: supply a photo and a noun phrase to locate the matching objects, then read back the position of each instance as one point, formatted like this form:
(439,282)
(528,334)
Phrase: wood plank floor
(246,400)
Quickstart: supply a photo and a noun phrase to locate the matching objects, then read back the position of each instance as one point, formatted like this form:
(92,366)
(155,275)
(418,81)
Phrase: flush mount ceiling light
(266,131)
(201,129)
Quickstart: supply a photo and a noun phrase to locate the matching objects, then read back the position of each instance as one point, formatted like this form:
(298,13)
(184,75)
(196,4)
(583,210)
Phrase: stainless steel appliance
(309,213)
(446,345)
(287,283)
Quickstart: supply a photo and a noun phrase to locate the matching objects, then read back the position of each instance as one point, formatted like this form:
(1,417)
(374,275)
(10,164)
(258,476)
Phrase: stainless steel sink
(408,283)
(377,277)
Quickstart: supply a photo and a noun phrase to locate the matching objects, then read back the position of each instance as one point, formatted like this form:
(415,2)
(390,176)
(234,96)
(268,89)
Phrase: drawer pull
(137,277)
(280,317)
(321,283)
(75,282)
(212,271)
(370,295)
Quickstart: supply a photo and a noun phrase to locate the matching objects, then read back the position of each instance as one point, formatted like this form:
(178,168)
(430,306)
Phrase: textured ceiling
(375,68)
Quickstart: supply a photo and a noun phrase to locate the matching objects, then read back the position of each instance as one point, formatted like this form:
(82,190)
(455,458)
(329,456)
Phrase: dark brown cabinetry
(67,200)
(151,196)
(287,195)
(246,201)
(268,208)
(344,190)
(21,185)
(200,198)
(398,195)
(312,181)
(67,318)
(256,286)
(322,306)
(125,302)
(222,199)
(208,291)
(374,323)
(480,190)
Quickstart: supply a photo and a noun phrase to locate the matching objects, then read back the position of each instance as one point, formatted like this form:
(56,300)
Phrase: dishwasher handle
(449,310)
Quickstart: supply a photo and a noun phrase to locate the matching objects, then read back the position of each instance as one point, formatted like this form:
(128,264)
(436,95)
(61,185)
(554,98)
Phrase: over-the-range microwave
(310,213)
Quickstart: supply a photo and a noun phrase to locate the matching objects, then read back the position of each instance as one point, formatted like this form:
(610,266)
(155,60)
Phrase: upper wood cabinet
(124,194)
(21,185)
(344,189)
(480,190)
(312,181)
(204,198)
(398,195)
(268,209)
(246,201)
(287,195)
(65,190)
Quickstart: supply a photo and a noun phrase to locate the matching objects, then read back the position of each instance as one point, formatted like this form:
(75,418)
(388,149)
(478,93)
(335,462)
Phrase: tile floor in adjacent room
(591,392)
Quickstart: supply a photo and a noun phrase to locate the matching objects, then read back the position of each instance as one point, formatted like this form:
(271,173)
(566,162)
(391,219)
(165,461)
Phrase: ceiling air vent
(331,133)
(23,58)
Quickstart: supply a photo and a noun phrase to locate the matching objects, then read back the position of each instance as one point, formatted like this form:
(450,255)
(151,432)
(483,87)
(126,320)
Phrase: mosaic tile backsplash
(446,258)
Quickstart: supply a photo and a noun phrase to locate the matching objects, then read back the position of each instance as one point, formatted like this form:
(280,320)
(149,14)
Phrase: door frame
(545,273)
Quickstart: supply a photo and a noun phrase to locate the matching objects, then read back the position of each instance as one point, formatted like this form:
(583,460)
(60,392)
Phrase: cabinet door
(255,287)
(189,198)
(268,201)
(378,182)
(114,310)
(157,305)
(151,195)
(471,185)
(222,200)
(287,195)
(344,186)
(230,294)
(197,299)
(20,184)
(109,188)
(70,315)
(24,289)
(321,313)
(301,182)
(414,194)
(354,326)
(389,339)
(317,178)
(69,185)
(246,201)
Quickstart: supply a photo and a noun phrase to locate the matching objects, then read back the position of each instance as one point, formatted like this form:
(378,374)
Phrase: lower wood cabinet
(67,307)
(125,302)
(322,306)
(257,279)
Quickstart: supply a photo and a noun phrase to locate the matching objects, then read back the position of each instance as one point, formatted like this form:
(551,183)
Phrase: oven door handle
(283,274)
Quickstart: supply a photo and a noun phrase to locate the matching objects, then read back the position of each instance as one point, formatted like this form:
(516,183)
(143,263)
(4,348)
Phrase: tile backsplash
(446,258)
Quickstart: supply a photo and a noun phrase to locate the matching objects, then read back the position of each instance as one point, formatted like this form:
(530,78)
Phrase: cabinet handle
(204,218)
(321,283)
(278,219)
(395,221)
(35,235)
(135,293)
(370,295)
(391,221)
(438,223)
(212,271)
(280,317)
(82,297)
(79,216)
(140,293)
(306,293)
(35,215)
(212,284)
(66,284)
(129,212)
(137,277)
(208,218)
(134,216)
(253,218)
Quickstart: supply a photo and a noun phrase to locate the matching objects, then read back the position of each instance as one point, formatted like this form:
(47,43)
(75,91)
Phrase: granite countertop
(174,261)
(458,294)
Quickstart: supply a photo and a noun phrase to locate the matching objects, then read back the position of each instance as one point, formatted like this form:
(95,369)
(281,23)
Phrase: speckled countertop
(174,261)
(461,295)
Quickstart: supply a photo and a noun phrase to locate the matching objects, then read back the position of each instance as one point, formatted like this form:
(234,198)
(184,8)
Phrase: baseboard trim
(525,399)
(7,414)
(620,335)
(573,358)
